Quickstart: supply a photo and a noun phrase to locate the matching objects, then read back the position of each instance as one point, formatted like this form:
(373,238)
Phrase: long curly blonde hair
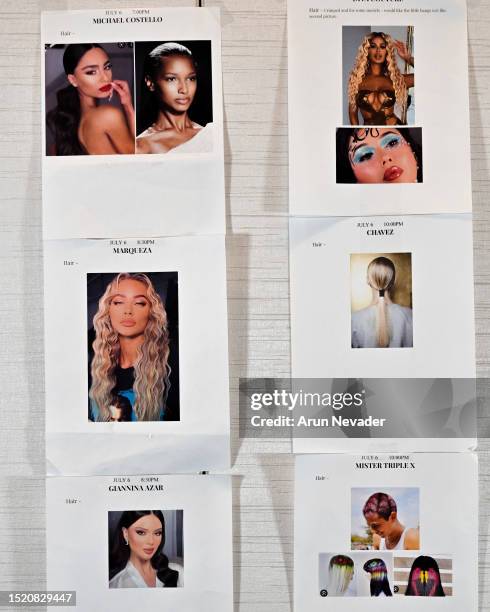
(151,370)
(362,68)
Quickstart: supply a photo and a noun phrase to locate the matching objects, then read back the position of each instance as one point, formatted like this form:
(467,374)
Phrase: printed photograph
(424,576)
(386,519)
(381,300)
(89,93)
(378,75)
(356,574)
(146,549)
(133,354)
(337,576)
(174,97)
(379,155)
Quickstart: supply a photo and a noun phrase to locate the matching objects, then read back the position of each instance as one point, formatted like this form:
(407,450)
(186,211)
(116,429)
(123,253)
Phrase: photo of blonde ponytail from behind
(381,278)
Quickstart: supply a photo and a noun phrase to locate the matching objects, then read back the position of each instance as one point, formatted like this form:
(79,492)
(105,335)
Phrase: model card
(382,297)
(136,355)
(132,123)
(145,542)
(377,526)
(374,105)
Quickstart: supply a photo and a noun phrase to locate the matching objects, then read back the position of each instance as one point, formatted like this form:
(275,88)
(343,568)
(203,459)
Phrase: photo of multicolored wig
(379,577)
(340,574)
(425,579)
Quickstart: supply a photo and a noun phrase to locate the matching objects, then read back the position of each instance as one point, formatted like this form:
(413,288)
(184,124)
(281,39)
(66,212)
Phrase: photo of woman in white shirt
(136,558)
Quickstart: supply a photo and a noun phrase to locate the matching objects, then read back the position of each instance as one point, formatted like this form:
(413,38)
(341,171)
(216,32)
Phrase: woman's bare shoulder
(146,134)
(152,134)
(142,143)
(106,116)
(151,141)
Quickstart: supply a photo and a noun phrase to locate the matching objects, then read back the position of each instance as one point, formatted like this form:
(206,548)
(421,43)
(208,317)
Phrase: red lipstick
(105,88)
(392,173)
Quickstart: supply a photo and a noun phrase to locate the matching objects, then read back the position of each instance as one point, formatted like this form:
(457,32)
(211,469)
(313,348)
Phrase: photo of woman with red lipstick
(133,346)
(141,544)
(89,111)
(380,76)
(379,155)
(175,110)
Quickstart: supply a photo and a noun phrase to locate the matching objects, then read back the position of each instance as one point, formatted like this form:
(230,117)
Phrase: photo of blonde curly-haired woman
(378,75)
(133,347)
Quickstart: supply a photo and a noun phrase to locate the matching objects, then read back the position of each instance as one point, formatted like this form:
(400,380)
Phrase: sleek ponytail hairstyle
(381,278)
(65,118)
(150,103)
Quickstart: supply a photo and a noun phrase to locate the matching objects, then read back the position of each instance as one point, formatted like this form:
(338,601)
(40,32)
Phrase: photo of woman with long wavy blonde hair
(131,351)
(377,88)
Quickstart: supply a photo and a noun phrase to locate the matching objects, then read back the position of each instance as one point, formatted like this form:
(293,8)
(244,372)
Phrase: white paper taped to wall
(132,123)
